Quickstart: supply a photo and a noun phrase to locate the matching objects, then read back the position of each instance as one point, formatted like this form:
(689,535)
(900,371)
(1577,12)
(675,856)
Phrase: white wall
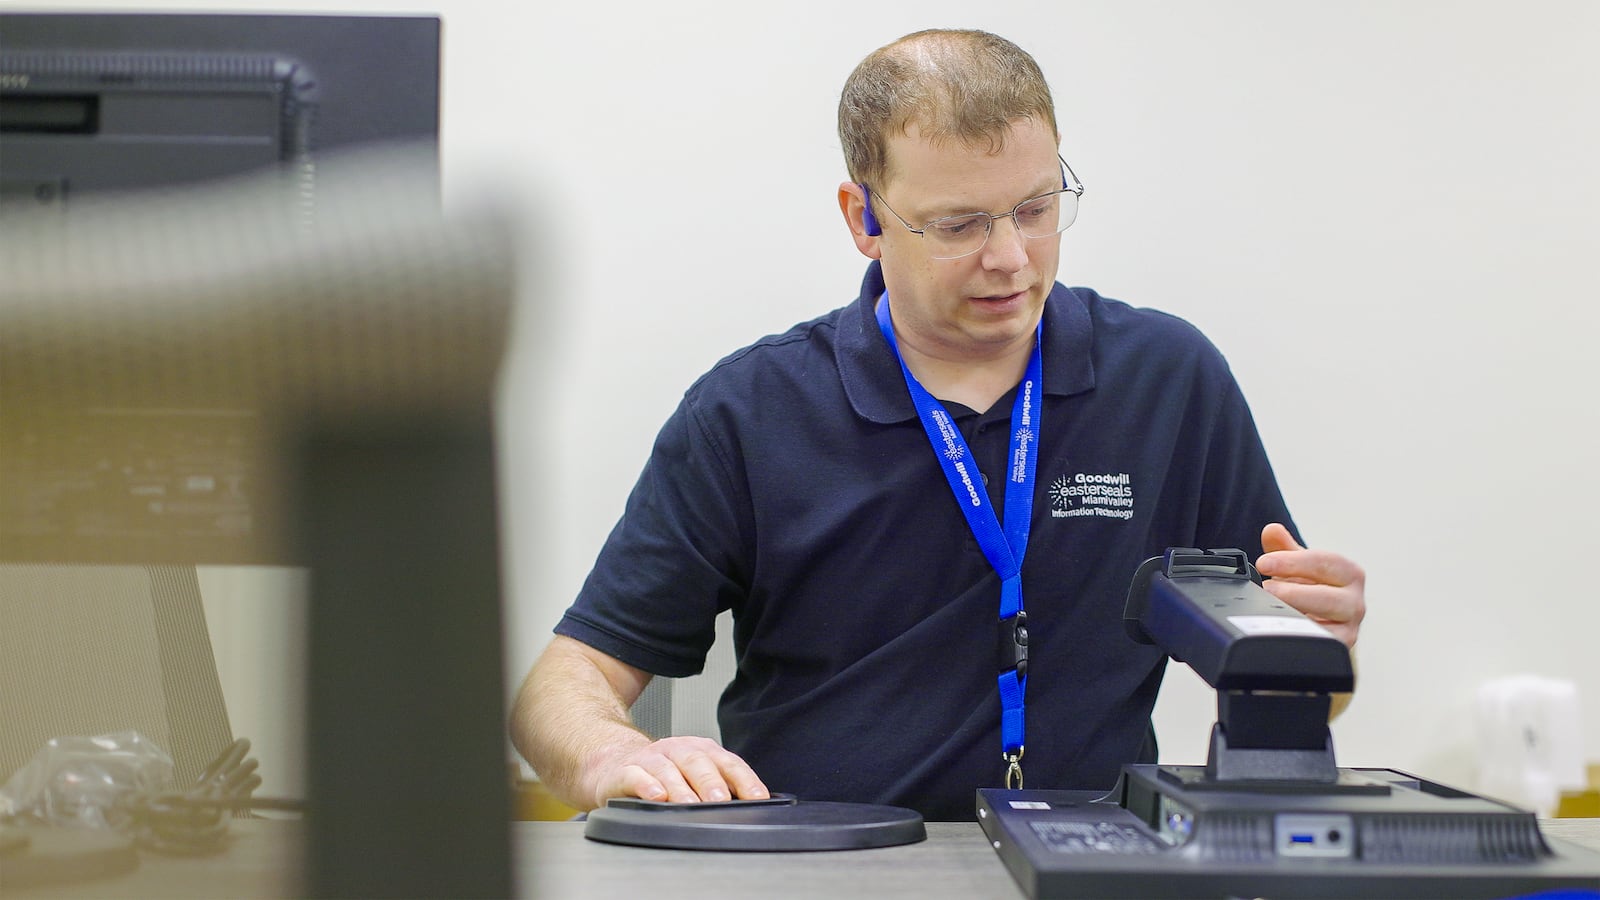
(1385,213)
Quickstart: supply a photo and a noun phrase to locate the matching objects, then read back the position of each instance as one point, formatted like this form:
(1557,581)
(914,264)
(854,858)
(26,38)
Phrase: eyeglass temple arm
(868,220)
(1066,171)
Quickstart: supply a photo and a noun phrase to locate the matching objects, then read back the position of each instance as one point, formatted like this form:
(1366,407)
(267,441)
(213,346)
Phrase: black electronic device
(360,349)
(1271,813)
(98,102)
(1274,670)
(238,331)
(781,822)
(98,105)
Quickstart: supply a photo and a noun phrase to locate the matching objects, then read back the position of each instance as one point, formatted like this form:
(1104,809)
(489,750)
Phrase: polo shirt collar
(877,390)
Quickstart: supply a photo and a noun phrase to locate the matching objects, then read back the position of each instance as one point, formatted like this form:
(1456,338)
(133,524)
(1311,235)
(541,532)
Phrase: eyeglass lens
(957,236)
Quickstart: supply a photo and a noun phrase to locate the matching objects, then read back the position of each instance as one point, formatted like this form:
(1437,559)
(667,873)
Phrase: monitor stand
(1175,831)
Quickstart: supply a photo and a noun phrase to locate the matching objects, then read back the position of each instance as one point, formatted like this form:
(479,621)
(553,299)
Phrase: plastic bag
(75,781)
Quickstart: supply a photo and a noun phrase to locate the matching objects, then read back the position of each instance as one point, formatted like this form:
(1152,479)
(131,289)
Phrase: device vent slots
(1448,839)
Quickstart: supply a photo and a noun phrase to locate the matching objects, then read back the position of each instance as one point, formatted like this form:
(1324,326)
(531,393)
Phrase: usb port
(1315,835)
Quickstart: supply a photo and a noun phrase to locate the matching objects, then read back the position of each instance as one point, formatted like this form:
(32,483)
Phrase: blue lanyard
(1004,548)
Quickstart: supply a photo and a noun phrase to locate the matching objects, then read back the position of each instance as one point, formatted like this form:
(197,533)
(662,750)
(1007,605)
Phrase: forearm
(1341,702)
(570,720)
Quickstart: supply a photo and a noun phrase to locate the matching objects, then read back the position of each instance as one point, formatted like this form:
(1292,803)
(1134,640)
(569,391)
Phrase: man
(874,491)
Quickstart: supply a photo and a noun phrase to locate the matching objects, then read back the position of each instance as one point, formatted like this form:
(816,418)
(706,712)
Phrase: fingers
(1310,567)
(1286,559)
(1327,587)
(1338,609)
(681,770)
(1275,537)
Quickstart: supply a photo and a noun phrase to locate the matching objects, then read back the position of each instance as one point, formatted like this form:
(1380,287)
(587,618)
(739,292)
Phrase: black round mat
(782,823)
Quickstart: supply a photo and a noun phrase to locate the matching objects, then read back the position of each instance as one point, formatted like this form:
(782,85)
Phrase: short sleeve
(673,561)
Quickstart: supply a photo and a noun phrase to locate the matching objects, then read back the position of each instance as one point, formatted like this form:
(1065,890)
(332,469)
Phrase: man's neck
(974,383)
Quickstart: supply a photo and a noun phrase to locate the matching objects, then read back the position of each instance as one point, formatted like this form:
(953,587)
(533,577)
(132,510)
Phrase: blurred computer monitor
(93,105)
(208,374)
(96,102)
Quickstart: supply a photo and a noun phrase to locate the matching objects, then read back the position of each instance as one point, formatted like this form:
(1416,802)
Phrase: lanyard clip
(1013,769)
(1013,644)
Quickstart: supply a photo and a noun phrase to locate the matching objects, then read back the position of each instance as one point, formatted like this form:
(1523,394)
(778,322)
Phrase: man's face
(985,305)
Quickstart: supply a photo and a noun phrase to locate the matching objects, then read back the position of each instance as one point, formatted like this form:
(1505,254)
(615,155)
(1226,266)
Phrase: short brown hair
(969,85)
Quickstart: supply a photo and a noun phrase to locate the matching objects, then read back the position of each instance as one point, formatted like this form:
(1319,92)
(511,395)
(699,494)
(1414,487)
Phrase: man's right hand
(679,770)
(571,722)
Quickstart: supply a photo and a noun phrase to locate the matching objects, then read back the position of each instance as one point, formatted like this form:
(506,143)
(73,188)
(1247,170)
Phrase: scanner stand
(1270,813)
(1264,737)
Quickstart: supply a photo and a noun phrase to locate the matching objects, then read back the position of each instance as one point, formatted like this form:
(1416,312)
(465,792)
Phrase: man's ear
(853,204)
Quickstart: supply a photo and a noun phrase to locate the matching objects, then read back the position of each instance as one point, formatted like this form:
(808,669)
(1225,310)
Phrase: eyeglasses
(953,237)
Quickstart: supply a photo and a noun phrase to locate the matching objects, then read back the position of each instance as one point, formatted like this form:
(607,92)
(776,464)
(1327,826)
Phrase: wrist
(597,783)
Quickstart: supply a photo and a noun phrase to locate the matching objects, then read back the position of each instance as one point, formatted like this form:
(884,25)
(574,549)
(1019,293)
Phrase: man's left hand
(1327,587)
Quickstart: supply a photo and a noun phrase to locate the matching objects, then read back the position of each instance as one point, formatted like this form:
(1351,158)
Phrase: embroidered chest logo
(1106,495)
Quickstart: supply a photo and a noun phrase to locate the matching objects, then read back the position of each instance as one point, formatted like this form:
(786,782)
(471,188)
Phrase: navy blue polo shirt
(795,486)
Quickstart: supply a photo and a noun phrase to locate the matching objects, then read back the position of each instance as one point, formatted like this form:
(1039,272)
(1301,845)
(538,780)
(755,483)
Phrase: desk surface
(955,861)
(555,860)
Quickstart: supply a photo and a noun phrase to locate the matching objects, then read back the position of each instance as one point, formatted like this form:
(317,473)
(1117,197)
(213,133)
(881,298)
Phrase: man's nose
(1006,247)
